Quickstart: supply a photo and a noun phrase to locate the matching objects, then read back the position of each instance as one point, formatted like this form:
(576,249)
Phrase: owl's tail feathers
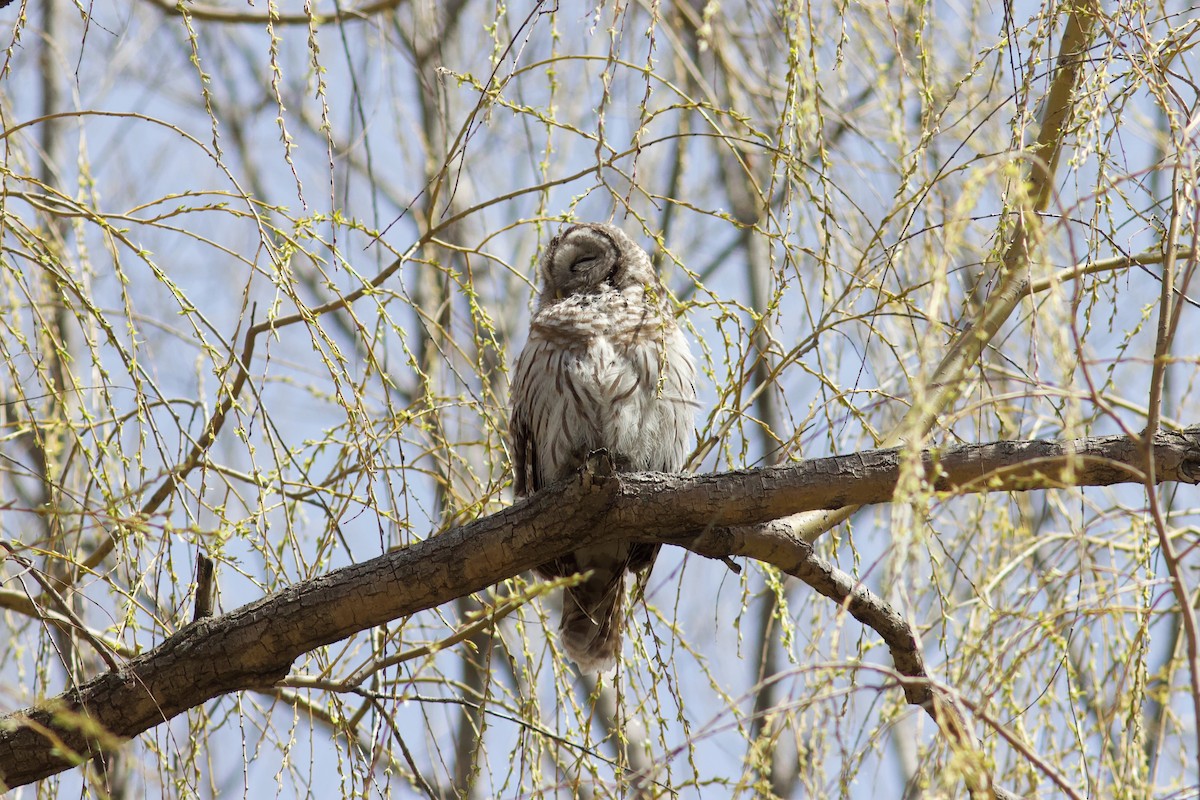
(593,616)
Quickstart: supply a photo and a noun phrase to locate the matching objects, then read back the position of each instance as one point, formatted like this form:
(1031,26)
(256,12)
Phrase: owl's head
(593,257)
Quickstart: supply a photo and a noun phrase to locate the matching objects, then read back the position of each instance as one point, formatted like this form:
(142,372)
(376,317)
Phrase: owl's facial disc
(584,260)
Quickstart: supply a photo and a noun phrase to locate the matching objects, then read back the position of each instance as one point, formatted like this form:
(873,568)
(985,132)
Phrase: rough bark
(717,515)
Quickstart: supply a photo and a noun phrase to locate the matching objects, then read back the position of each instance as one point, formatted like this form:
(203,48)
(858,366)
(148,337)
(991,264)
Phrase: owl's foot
(600,463)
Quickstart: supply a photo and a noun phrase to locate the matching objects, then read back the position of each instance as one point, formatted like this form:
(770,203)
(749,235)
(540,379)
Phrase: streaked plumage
(605,367)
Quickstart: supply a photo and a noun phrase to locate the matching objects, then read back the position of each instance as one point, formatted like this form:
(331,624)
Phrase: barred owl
(605,366)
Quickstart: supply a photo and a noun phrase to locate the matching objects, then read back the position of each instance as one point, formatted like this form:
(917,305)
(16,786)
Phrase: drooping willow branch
(718,515)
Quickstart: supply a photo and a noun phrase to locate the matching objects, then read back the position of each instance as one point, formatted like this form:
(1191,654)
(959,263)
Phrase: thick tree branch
(253,646)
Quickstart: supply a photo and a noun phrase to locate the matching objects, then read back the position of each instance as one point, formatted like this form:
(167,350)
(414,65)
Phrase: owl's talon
(600,463)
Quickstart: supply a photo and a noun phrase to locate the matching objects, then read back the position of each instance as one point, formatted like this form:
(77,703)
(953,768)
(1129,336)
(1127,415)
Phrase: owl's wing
(674,415)
(526,471)
(532,385)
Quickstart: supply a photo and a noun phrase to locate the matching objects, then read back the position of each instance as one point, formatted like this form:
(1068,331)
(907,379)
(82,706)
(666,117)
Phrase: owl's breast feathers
(622,317)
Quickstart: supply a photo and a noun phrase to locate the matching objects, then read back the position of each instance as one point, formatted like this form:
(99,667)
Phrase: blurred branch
(629,745)
(253,646)
(1169,314)
(195,457)
(1104,265)
(225,15)
(905,647)
(66,622)
(1013,274)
